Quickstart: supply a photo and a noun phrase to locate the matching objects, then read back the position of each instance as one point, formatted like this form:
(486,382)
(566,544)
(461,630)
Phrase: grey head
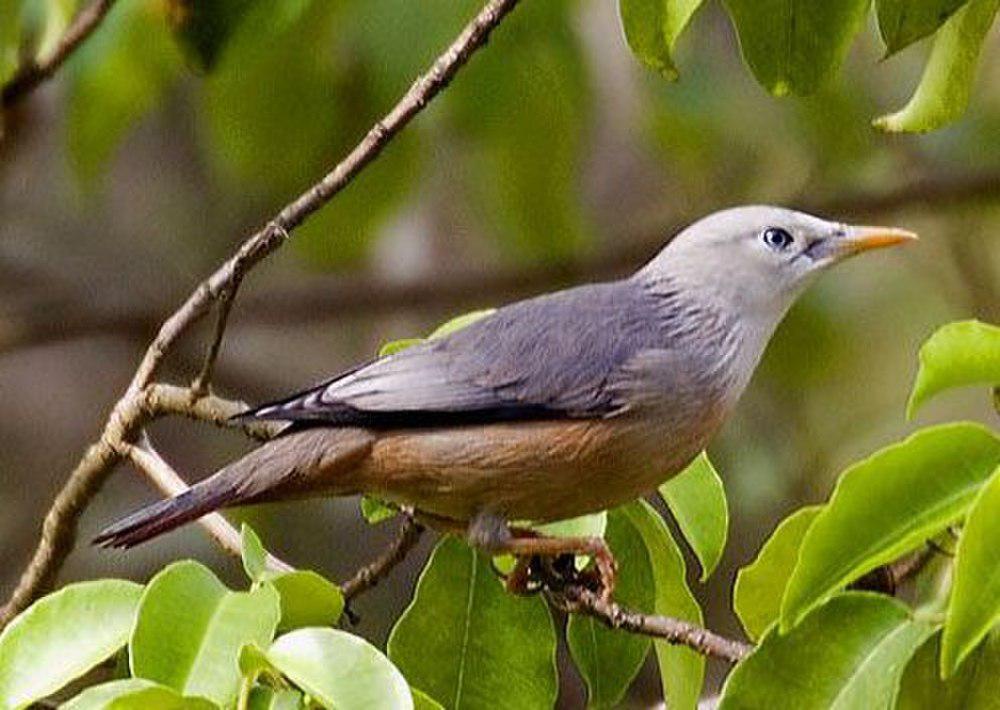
(754,261)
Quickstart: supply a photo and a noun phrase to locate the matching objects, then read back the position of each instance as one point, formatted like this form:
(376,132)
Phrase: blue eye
(776,238)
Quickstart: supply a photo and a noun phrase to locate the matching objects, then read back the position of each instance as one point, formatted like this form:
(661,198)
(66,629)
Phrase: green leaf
(395,346)
(264,698)
(422,701)
(253,554)
(887,505)
(974,607)
(340,670)
(468,643)
(956,355)
(134,694)
(609,659)
(459,322)
(761,584)
(375,511)
(652,28)
(118,75)
(202,27)
(592,525)
(307,599)
(190,629)
(10,35)
(976,685)
(682,670)
(796,46)
(903,22)
(697,499)
(943,93)
(849,653)
(62,636)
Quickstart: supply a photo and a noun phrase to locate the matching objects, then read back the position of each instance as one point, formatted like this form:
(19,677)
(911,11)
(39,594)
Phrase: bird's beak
(860,239)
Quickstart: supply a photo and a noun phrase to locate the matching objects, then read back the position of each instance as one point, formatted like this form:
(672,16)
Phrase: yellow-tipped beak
(859,239)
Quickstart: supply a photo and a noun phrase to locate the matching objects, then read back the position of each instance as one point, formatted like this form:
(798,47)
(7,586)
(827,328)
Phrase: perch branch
(370,575)
(130,414)
(33,73)
(575,599)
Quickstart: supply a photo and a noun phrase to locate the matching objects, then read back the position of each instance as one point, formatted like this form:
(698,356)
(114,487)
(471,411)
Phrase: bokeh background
(553,159)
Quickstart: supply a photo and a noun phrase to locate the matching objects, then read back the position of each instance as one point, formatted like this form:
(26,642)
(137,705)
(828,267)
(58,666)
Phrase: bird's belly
(537,471)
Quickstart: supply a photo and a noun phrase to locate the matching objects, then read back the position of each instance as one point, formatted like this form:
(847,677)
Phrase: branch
(32,74)
(326,297)
(575,599)
(370,575)
(131,413)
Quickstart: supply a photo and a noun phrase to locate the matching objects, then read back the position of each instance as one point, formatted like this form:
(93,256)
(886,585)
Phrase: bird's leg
(490,532)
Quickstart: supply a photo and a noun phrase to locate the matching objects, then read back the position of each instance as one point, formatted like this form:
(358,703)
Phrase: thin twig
(324,297)
(368,576)
(169,482)
(32,74)
(129,414)
(162,399)
(576,599)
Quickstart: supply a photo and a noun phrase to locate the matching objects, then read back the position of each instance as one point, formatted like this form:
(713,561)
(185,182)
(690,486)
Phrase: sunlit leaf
(697,499)
(849,653)
(375,511)
(956,355)
(887,505)
(592,525)
(608,659)
(459,322)
(307,599)
(395,346)
(467,643)
(265,698)
(62,636)
(682,670)
(252,554)
(943,93)
(134,694)
(340,670)
(652,28)
(116,77)
(976,685)
(190,629)
(974,606)
(761,584)
(796,46)
(903,22)
(422,701)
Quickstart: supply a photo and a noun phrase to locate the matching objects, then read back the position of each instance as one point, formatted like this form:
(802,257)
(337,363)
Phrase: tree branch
(328,297)
(131,413)
(370,575)
(575,599)
(32,74)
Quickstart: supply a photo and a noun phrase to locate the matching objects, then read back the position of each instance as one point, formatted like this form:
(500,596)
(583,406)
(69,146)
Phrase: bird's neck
(727,342)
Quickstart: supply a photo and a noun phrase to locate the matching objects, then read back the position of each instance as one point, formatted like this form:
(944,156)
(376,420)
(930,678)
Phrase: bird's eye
(776,238)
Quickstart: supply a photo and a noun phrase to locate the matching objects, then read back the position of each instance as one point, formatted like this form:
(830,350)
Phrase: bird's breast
(536,471)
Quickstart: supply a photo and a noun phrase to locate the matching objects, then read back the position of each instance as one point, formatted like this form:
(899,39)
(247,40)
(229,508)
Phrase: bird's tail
(294,465)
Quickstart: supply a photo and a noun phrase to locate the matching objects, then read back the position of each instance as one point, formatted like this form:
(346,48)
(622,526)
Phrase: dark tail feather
(165,515)
(295,464)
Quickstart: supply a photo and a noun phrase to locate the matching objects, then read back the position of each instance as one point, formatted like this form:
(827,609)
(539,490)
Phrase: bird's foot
(550,563)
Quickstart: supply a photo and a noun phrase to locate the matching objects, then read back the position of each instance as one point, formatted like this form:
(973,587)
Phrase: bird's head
(756,260)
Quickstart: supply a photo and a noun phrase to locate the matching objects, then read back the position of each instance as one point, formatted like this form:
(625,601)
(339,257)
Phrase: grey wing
(549,357)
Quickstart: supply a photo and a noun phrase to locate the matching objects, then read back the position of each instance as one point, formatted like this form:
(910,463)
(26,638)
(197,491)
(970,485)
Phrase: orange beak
(859,239)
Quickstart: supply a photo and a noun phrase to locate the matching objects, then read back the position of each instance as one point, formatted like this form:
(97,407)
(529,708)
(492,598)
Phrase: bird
(548,408)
